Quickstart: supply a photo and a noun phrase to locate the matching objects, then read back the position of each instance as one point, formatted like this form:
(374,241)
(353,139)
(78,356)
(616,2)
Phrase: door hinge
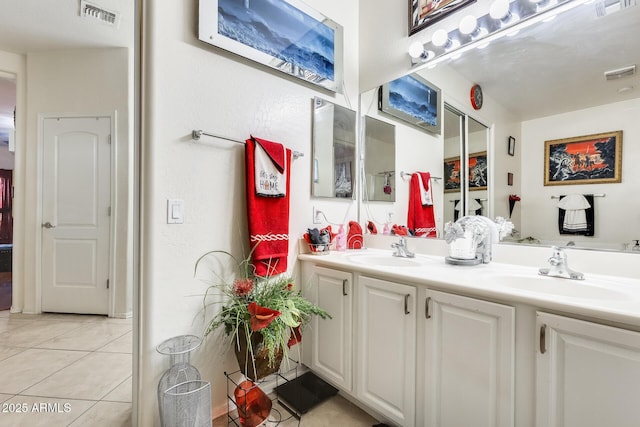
(109,140)
(107,283)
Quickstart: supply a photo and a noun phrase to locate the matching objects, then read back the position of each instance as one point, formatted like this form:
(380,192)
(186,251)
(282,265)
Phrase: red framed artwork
(589,159)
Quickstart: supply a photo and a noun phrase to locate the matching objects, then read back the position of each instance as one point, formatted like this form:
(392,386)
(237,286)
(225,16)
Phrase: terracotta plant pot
(255,365)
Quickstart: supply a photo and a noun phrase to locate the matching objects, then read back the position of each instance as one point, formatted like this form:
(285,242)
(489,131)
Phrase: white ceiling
(43,25)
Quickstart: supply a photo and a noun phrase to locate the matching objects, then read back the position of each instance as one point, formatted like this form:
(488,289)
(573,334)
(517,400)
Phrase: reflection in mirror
(453,174)
(334,147)
(478,202)
(518,77)
(379,160)
(464,134)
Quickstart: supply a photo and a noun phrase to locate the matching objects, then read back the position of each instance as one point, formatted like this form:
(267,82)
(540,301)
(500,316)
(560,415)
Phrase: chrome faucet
(401,249)
(559,266)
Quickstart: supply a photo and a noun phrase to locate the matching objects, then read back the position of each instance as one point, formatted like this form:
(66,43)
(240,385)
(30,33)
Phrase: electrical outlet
(316,216)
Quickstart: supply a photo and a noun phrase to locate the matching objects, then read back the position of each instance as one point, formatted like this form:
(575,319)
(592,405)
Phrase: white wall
(617,216)
(79,82)
(190,85)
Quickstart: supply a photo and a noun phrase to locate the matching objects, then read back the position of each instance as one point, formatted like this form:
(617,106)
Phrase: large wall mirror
(334,150)
(379,160)
(548,82)
(455,158)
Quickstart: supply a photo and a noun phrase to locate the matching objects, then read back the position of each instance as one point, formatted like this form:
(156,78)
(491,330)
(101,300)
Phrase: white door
(76,195)
(387,349)
(588,375)
(331,354)
(468,347)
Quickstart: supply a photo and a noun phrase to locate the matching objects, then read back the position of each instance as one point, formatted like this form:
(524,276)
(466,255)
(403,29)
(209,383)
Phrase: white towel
(270,182)
(425,194)
(575,217)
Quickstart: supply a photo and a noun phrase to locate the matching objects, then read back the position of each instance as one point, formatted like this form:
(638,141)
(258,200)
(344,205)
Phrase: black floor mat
(305,392)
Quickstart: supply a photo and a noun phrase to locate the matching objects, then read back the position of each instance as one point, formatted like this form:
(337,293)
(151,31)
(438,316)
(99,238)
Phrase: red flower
(242,287)
(514,198)
(295,338)
(290,286)
(261,317)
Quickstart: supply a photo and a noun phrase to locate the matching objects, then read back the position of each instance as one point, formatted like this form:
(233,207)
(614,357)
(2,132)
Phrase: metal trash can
(187,404)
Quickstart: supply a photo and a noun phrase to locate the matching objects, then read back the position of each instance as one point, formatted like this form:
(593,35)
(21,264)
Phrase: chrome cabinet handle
(48,225)
(406,304)
(543,339)
(427,315)
(344,287)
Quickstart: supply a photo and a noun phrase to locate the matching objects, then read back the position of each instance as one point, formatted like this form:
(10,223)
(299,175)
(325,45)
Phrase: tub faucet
(401,249)
(559,266)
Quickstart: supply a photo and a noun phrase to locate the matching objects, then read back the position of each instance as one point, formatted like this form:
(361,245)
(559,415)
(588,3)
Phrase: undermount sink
(584,289)
(387,260)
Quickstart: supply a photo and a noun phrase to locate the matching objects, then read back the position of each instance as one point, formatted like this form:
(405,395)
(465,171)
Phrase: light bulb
(440,38)
(416,49)
(499,9)
(468,24)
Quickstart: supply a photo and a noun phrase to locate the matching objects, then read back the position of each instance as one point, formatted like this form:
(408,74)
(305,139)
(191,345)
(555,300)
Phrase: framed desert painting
(589,159)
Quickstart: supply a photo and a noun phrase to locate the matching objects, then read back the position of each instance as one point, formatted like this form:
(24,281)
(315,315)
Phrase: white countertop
(599,297)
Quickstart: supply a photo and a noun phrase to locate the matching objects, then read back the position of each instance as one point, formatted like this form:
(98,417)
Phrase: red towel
(354,237)
(267,217)
(420,218)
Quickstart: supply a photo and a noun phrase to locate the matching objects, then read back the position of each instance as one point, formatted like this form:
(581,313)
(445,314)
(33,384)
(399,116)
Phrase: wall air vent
(99,13)
(620,73)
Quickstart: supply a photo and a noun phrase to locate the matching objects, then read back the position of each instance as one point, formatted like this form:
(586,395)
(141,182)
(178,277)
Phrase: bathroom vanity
(418,342)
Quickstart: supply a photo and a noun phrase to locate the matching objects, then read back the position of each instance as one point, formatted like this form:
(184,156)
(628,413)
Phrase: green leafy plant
(265,311)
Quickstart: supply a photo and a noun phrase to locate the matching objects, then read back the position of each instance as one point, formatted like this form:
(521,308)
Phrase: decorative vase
(255,364)
(254,406)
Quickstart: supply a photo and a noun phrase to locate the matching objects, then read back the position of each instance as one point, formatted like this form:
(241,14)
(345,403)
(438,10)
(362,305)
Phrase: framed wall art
(423,13)
(511,146)
(589,159)
(478,171)
(286,35)
(452,175)
(413,100)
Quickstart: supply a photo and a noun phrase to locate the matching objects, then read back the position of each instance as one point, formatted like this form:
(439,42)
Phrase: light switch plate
(175,211)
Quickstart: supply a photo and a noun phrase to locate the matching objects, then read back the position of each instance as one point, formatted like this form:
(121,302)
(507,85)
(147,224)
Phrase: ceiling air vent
(95,11)
(620,73)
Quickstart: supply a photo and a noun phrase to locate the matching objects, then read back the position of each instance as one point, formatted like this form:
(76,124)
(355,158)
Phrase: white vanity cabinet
(386,336)
(332,339)
(466,359)
(588,375)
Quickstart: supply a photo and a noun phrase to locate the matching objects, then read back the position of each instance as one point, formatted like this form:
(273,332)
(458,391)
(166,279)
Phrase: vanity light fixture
(503,18)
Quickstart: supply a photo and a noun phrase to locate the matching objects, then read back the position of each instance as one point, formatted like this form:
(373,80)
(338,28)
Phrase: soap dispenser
(341,239)
(636,247)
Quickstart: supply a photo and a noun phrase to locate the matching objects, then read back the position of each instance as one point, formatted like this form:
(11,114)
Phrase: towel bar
(196,134)
(594,195)
(406,174)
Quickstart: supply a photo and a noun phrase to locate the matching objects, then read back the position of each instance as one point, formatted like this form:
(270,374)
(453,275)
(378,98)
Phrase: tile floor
(65,370)
(75,370)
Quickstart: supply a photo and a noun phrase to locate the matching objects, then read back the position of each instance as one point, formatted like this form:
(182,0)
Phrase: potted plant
(262,316)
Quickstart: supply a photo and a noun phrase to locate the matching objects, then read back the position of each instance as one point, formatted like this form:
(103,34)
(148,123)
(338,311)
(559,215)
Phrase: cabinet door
(468,348)
(331,352)
(387,348)
(588,375)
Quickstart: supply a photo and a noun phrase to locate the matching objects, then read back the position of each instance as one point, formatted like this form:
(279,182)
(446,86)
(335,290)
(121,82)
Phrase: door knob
(48,225)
